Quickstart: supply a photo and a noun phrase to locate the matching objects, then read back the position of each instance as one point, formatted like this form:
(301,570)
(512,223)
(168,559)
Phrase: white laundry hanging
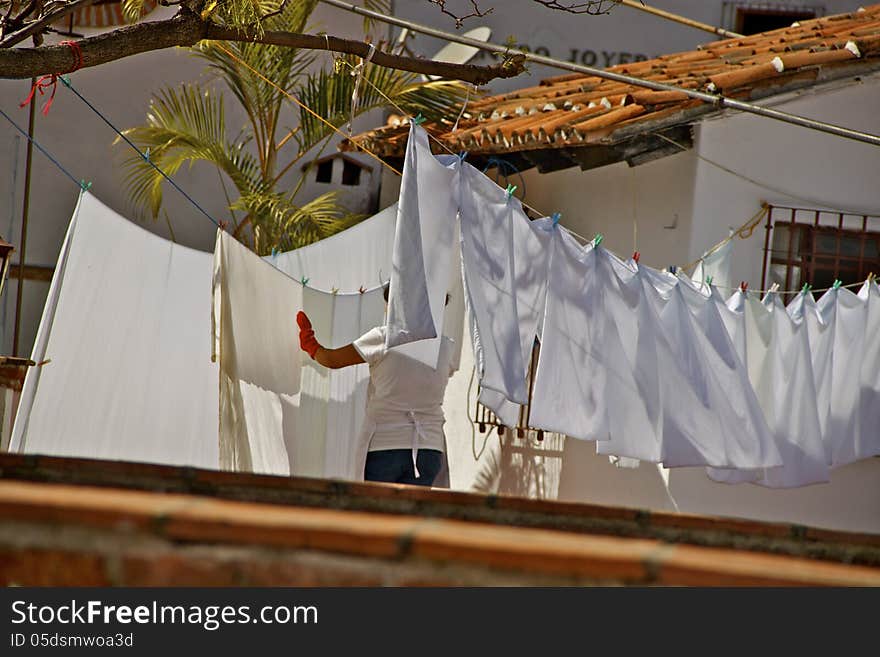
(424,240)
(124,333)
(715,265)
(255,344)
(852,432)
(358,257)
(505,258)
(780,369)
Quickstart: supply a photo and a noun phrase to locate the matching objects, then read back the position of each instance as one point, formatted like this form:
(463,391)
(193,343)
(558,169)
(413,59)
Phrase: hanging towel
(255,345)
(124,330)
(422,259)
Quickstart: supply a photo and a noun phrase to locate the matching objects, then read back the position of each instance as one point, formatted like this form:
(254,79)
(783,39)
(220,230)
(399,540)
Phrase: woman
(402,439)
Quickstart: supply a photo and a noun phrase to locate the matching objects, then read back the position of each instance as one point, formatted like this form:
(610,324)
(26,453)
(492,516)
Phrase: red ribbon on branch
(47,81)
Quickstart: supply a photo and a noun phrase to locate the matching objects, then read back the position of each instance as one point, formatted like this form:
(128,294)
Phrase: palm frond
(185,125)
(281,224)
(329,94)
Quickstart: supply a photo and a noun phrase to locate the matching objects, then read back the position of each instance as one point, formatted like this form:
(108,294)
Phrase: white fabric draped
(259,357)
(125,333)
(422,259)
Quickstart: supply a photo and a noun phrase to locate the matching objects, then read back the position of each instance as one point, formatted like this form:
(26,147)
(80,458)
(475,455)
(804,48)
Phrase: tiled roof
(577,111)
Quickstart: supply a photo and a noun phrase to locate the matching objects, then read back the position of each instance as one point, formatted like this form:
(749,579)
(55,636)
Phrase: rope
(67,173)
(743,232)
(51,80)
(145,156)
(305,107)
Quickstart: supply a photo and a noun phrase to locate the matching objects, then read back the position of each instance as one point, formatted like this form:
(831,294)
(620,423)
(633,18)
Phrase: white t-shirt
(404,393)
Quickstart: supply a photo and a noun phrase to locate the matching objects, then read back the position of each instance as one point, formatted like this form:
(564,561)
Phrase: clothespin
(708,280)
(274,251)
(86,186)
(418,119)
(65,80)
(510,190)
(871,277)
(146,154)
(463,155)
(744,287)
(222,224)
(362,289)
(672,269)
(304,280)
(598,239)
(806,288)
(556,216)
(636,256)
(837,284)
(334,290)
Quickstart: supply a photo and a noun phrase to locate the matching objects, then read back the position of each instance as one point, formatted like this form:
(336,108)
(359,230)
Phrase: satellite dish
(457,53)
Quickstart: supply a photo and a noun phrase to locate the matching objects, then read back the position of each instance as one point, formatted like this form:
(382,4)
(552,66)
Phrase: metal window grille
(804,245)
(486,419)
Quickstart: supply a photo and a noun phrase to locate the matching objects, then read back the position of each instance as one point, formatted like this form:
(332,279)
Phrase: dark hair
(387,287)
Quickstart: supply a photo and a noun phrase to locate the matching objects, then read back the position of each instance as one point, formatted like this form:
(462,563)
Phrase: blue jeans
(395,466)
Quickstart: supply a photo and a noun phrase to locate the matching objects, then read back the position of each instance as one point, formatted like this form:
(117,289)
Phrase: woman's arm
(336,358)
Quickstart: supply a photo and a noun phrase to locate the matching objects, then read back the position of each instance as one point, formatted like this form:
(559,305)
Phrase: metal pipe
(716,100)
(676,18)
(24,222)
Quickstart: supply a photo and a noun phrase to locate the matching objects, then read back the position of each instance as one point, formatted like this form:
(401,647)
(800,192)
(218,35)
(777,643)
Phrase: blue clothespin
(837,284)
(463,155)
(510,190)
(304,280)
(556,216)
(598,239)
(146,154)
(274,251)
(672,269)
(418,119)
(86,186)
(806,288)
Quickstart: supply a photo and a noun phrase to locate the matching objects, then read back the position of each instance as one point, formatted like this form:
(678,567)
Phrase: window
(325,172)
(351,173)
(756,17)
(818,247)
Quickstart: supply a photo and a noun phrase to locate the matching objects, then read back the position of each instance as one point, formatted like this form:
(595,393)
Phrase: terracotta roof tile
(557,113)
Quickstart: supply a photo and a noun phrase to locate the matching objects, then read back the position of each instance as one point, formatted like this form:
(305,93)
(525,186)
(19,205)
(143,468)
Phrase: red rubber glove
(307,341)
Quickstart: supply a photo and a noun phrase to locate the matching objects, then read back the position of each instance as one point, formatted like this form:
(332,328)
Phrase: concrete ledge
(177,522)
(779,538)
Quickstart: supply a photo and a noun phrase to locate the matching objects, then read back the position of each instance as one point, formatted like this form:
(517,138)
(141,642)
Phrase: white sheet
(126,330)
(422,260)
(255,344)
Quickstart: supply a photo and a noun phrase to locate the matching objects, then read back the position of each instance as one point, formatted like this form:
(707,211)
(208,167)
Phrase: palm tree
(186,124)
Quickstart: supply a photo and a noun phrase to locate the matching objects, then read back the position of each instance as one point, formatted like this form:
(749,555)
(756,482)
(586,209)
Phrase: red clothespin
(744,287)
(362,289)
(636,256)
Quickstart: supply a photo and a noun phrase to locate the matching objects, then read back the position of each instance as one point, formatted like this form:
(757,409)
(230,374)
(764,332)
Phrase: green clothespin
(418,119)
(598,239)
(304,280)
(86,186)
(837,284)
(806,288)
(708,280)
(65,80)
(510,190)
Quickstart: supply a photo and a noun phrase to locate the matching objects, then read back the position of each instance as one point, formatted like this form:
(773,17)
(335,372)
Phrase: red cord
(46,81)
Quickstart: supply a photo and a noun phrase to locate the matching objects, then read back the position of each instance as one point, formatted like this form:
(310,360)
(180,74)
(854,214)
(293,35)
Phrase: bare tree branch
(44,22)
(186,29)
(475,13)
